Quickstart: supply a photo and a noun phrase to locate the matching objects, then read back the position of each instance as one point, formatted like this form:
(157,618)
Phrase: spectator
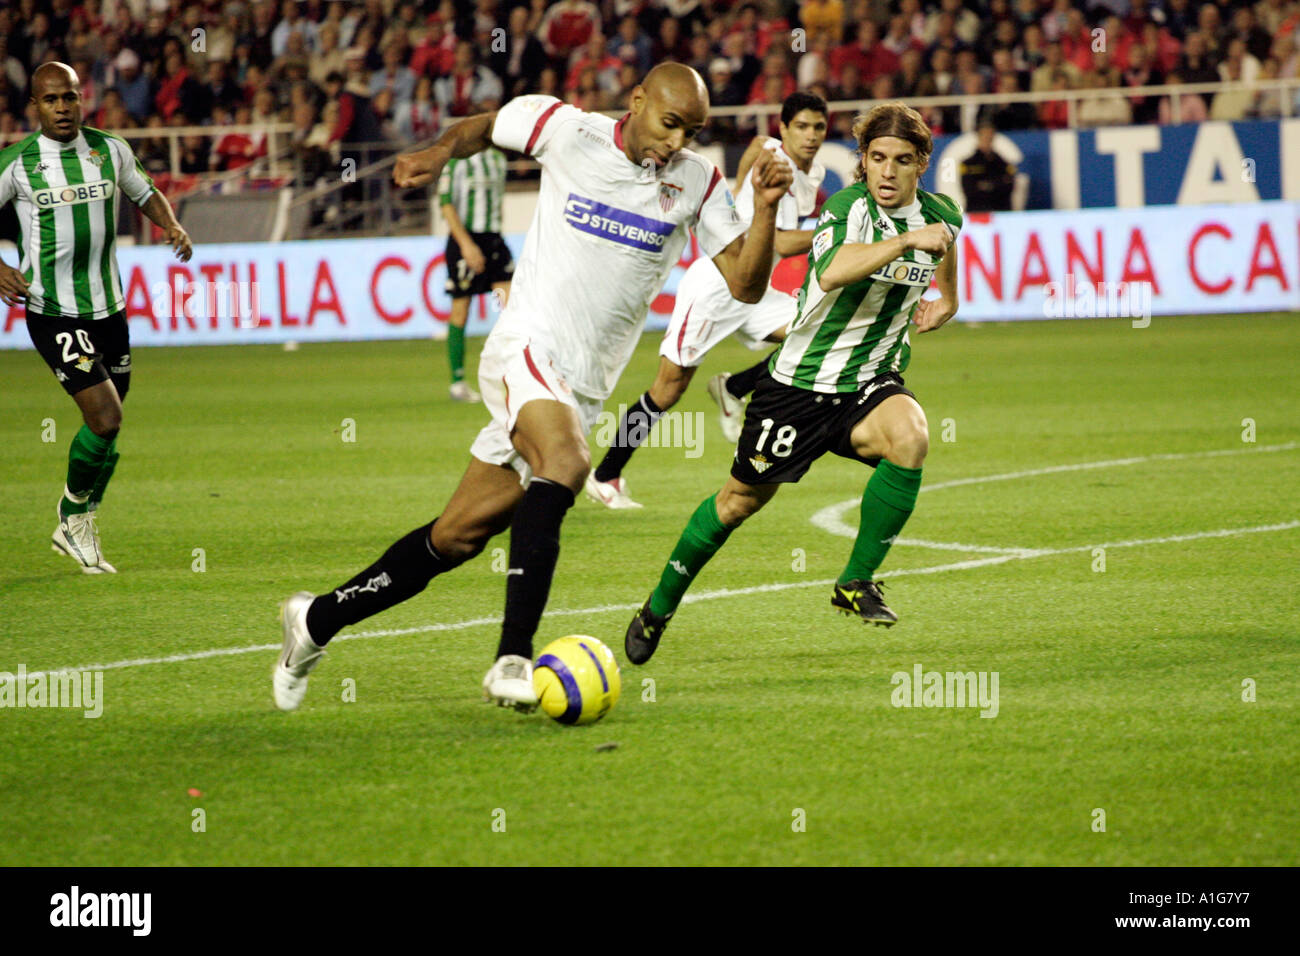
(329,58)
(822,19)
(1012,116)
(1055,114)
(701,52)
(136,90)
(395,77)
(723,88)
(987,178)
(548,83)
(631,45)
(965,23)
(1146,109)
(670,45)
(1103,110)
(522,57)
(219,89)
(468,85)
(776,67)
(1044,78)
(177,91)
(291,22)
(745,67)
(1238,66)
(594,55)
(436,54)
(1237,102)
(566,26)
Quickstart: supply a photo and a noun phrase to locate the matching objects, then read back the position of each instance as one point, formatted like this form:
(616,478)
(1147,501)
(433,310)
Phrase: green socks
(700,541)
(86,461)
(887,503)
(105,473)
(456,352)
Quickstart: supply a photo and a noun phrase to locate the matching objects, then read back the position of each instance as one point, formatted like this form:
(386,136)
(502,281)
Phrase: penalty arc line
(829,520)
(688,599)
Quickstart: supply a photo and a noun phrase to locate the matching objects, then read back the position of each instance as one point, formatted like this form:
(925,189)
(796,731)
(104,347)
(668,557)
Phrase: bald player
(615,204)
(66,182)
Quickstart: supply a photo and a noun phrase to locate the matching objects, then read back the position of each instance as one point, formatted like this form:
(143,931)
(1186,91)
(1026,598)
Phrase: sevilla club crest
(668,194)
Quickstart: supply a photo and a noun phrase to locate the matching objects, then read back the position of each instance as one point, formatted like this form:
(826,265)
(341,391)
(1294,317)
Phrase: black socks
(534,549)
(403,571)
(740,384)
(632,433)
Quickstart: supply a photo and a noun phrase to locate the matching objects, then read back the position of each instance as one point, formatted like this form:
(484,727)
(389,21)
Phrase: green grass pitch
(771,737)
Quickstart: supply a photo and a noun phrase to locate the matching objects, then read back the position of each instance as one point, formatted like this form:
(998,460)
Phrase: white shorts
(512,372)
(706,313)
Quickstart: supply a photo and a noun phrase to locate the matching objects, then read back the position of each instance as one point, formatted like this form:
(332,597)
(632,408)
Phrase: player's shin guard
(740,384)
(632,433)
(86,460)
(887,503)
(534,549)
(403,571)
(703,536)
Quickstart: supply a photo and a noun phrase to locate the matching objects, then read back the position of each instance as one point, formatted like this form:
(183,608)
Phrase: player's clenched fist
(771,176)
(13,287)
(934,238)
(418,169)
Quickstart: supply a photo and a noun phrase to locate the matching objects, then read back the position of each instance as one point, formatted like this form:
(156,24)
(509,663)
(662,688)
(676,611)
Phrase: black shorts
(787,428)
(461,280)
(84,352)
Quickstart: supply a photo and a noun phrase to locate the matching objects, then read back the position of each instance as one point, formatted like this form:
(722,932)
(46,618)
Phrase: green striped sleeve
(832,228)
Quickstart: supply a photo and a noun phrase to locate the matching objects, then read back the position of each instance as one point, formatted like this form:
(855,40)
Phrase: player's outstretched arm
(932,313)
(747,159)
(158,209)
(855,261)
(462,140)
(746,264)
(793,242)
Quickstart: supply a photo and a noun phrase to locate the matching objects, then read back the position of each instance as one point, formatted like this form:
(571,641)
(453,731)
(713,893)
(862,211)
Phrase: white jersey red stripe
(605,235)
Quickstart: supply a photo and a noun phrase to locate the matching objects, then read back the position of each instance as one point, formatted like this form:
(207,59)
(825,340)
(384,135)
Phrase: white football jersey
(799,202)
(604,237)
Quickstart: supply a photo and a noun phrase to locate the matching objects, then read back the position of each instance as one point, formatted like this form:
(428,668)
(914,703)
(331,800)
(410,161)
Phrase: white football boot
(461,392)
(509,683)
(299,654)
(611,494)
(77,536)
(731,410)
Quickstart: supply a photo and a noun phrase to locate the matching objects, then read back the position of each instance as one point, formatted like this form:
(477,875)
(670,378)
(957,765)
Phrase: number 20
(784,438)
(65,339)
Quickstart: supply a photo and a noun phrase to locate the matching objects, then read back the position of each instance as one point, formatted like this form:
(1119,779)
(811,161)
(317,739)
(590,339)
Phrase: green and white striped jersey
(842,339)
(476,188)
(66,196)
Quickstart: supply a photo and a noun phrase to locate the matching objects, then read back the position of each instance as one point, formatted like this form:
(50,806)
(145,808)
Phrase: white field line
(689,599)
(829,518)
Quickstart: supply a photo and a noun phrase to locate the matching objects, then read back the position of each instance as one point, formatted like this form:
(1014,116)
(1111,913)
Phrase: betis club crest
(668,194)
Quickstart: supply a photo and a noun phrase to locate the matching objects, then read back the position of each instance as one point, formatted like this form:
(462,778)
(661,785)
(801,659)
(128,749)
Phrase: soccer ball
(576,680)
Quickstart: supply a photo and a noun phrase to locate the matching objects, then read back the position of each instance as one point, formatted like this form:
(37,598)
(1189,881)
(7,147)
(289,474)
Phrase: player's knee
(909,445)
(568,467)
(105,422)
(733,509)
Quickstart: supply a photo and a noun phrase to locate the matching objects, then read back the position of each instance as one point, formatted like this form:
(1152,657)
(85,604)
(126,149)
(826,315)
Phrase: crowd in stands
(397,70)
